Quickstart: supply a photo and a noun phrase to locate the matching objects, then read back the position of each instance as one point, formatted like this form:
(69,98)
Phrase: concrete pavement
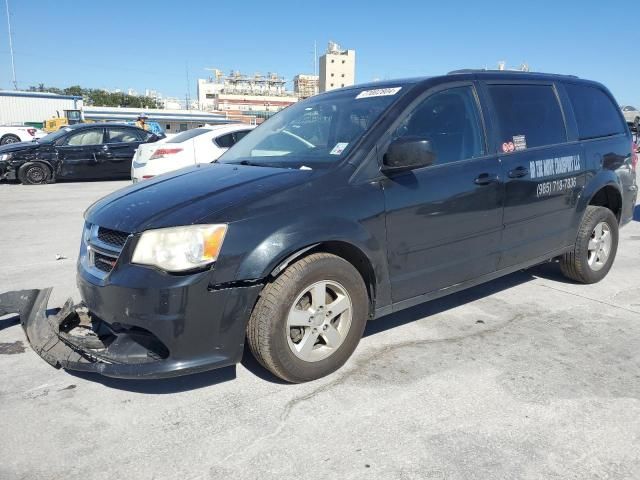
(529,376)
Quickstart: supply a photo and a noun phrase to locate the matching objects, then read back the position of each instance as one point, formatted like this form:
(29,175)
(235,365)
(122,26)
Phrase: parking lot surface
(529,376)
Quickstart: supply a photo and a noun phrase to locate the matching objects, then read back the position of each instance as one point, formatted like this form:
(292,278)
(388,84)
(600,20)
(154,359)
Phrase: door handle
(485,179)
(518,172)
(106,152)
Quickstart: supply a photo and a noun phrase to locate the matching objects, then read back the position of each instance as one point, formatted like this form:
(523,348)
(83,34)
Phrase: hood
(17,147)
(189,196)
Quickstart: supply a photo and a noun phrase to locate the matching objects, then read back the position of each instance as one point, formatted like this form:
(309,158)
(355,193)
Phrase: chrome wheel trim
(599,248)
(319,321)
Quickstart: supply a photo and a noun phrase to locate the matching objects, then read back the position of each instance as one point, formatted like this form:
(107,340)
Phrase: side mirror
(407,153)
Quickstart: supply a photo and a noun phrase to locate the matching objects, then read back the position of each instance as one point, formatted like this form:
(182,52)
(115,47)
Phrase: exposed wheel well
(351,254)
(610,198)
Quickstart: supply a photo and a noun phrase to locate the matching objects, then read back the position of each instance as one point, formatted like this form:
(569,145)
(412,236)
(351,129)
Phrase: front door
(444,221)
(77,154)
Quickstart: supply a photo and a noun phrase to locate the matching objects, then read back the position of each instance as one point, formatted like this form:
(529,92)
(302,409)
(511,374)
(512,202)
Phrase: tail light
(31,131)
(634,156)
(164,152)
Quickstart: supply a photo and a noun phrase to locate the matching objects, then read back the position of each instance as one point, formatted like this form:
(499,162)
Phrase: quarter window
(240,134)
(86,137)
(450,121)
(528,115)
(225,141)
(596,114)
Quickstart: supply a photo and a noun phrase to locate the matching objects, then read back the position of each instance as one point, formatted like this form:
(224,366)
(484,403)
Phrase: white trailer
(17,108)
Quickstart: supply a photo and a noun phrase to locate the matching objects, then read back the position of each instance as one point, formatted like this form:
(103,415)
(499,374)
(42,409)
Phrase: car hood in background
(189,196)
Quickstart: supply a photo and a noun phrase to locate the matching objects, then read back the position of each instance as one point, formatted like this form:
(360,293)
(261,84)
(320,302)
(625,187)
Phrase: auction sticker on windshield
(378,92)
(338,149)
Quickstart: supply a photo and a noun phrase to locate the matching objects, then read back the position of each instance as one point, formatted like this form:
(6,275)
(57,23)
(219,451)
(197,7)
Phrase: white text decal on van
(378,92)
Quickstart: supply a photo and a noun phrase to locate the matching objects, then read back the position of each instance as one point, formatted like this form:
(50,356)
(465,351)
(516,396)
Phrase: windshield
(314,133)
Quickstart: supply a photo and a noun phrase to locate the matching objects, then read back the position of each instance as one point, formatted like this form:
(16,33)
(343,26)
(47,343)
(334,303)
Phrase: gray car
(632,116)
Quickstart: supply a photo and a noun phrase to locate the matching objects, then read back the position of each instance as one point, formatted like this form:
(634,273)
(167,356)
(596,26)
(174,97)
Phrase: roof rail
(486,70)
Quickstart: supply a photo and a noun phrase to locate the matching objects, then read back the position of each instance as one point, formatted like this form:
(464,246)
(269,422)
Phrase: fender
(604,178)
(284,245)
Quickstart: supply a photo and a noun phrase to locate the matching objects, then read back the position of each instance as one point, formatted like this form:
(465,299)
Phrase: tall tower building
(337,68)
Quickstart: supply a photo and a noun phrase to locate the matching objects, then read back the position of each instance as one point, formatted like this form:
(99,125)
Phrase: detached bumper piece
(72,339)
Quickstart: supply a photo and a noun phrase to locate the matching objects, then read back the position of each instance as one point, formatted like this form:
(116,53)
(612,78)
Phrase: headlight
(5,156)
(179,249)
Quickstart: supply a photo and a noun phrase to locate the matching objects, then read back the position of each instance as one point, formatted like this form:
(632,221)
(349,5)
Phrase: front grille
(102,248)
(112,237)
(104,263)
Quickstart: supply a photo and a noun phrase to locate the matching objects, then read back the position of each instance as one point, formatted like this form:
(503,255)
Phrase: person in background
(141,122)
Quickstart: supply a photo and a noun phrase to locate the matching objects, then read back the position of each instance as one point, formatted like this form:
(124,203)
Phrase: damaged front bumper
(76,339)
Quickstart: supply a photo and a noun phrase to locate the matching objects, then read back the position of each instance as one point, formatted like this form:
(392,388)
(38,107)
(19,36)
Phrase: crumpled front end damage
(73,340)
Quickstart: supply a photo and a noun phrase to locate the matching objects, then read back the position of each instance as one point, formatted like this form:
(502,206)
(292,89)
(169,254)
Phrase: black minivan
(342,208)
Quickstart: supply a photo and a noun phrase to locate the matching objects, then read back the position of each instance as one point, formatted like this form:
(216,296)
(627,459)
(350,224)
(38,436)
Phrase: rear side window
(225,141)
(596,114)
(240,134)
(528,116)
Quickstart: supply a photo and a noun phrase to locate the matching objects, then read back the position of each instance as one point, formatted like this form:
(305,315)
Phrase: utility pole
(188,94)
(315,57)
(13,65)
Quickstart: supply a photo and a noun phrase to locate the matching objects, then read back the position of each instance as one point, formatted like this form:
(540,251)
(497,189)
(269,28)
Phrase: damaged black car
(342,208)
(92,151)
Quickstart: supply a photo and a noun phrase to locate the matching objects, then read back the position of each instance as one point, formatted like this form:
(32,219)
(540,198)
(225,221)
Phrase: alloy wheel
(319,321)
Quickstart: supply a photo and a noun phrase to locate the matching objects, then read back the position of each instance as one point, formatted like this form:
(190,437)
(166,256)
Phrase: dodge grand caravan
(343,208)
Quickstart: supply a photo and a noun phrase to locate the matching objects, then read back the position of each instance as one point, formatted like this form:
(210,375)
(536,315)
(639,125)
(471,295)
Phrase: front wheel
(309,320)
(34,174)
(595,248)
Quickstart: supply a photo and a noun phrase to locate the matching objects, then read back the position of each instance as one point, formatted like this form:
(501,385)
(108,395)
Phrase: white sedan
(199,145)
(9,134)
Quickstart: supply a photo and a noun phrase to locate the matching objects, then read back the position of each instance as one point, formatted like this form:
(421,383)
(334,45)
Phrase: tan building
(305,86)
(337,68)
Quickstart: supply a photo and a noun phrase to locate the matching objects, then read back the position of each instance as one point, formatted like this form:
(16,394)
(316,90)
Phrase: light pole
(13,65)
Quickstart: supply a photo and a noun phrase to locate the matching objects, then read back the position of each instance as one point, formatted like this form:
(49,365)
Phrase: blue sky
(148,44)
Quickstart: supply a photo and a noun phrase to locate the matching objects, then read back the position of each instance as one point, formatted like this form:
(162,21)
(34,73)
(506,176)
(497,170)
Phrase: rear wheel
(7,139)
(595,249)
(34,174)
(309,320)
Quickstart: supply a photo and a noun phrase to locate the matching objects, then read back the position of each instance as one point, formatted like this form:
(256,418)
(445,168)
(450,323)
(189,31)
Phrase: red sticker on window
(508,147)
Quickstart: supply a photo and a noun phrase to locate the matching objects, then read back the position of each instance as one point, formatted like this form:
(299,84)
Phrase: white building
(239,94)
(337,68)
(171,121)
(18,107)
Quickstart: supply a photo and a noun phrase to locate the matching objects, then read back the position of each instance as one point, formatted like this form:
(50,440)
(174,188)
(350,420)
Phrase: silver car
(632,116)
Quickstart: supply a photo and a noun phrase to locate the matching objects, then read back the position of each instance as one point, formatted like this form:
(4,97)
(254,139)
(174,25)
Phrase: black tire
(34,173)
(636,125)
(575,264)
(268,333)
(10,138)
